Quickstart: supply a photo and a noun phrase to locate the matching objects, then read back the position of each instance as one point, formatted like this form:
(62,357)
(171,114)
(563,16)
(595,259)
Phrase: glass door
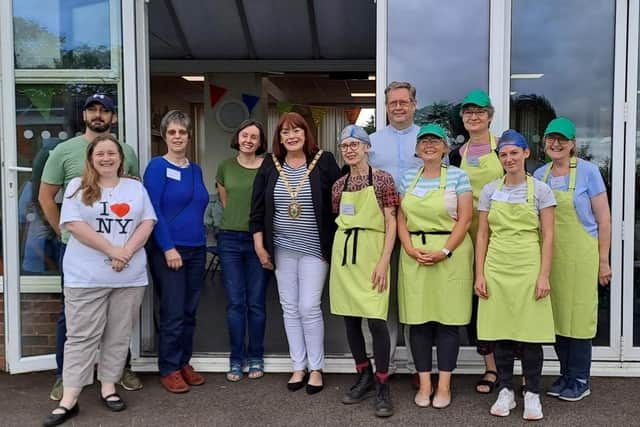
(54,55)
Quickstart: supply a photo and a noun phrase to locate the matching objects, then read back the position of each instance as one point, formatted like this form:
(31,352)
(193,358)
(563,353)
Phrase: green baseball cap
(432,129)
(477,97)
(563,126)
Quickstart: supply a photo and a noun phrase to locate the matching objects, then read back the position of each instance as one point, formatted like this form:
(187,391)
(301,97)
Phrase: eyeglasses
(430,140)
(353,146)
(290,132)
(559,139)
(477,113)
(401,103)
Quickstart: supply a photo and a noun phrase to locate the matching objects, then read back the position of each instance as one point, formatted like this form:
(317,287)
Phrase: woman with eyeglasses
(110,218)
(479,159)
(581,245)
(293,227)
(365,201)
(513,253)
(435,282)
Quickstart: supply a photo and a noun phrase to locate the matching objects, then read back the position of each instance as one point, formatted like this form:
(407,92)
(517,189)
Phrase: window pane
(442,48)
(564,67)
(65,34)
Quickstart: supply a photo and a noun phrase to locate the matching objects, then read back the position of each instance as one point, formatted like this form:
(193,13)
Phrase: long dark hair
(294,120)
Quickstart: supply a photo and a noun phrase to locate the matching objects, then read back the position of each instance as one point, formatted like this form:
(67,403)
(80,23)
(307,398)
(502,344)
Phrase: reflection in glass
(564,67)
(442,48)
(67,34)
(45,116)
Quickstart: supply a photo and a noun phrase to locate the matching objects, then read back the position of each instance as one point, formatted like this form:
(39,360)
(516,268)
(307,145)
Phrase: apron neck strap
(346,181)
(492,143)
(443,176)
(530,188)
(573,164)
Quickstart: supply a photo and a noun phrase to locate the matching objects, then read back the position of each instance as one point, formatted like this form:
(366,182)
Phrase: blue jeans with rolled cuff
(245,283)
(574,355)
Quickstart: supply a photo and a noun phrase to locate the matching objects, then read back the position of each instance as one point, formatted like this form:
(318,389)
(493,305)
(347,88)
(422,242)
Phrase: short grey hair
(178,117)
(400,85)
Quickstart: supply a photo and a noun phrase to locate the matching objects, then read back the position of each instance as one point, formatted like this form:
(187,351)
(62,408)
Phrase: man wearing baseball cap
(66,161)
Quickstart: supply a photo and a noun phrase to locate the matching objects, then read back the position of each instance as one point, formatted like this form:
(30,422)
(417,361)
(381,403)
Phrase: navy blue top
(179,198)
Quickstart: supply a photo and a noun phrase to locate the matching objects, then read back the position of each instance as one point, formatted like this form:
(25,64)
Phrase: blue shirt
(393,150)
(589,183)
(179,198)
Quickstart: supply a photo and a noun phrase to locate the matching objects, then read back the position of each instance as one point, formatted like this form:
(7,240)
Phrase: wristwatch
(447,252)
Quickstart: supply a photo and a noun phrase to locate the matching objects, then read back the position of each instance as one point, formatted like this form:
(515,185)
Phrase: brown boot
(174,383)
(190,376)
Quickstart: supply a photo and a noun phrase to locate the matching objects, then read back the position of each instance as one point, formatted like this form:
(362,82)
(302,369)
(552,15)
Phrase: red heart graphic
(120,209)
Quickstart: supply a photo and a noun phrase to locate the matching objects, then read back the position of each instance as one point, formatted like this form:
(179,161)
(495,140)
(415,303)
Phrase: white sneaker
(532,407)
(504,404)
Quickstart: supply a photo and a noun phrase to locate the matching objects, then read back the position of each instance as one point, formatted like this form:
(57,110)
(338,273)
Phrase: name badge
(419,192)
(347,209)
(174,174)
(557,183)
(500,196)
(473,161)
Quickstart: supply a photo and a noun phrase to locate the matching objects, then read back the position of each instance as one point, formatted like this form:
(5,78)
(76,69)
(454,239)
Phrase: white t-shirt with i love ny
(116,216)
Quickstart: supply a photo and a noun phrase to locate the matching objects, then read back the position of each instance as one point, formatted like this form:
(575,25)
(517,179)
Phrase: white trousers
(300,281)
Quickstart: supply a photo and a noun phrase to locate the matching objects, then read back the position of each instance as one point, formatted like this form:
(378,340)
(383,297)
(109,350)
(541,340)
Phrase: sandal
(235,373)
(488,383)
(256,369)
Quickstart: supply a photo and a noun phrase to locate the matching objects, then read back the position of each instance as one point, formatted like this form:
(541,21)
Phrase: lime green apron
(574,271)
(441,292)
(357,248)
(511,270)
(481,171)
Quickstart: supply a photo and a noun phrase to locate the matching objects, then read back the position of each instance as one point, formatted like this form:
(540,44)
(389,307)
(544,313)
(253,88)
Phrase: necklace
(295,210)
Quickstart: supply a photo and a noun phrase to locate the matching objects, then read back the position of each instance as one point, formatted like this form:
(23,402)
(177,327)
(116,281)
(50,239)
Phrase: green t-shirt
(66,162)
(238,183)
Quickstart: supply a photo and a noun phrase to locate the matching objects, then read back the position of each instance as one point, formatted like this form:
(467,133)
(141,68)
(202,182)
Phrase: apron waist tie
(423,234)
(354,250)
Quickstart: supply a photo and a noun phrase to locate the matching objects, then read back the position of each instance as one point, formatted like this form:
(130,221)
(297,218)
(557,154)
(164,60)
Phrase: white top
(542,195)
(116,216)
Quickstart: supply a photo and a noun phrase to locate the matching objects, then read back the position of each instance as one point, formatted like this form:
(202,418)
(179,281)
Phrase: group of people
(408,232)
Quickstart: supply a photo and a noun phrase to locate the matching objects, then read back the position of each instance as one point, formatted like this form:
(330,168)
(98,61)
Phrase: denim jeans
(179,292)
(575,357)
(245,284)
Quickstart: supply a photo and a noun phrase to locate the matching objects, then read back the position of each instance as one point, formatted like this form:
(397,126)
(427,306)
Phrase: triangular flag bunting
(317,113)
(352,114)
(215,93)
(250,101)
(283,107)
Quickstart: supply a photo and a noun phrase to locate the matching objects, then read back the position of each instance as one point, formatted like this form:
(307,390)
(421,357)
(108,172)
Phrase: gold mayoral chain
(295,210)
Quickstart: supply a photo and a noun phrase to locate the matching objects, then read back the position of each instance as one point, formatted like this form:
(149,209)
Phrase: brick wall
(39,316)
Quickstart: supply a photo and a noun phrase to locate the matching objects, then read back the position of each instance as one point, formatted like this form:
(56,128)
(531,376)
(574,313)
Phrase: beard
(98,127)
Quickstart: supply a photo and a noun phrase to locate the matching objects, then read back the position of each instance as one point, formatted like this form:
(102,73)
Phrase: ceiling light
(363,94)
(193,78)
(371,77)
(527,76)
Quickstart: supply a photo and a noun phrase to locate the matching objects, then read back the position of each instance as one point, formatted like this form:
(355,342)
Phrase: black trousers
(446,338)
(531,357)
(381,341)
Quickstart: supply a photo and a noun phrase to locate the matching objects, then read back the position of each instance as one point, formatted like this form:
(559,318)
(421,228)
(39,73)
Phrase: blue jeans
(245,283)
(575,357)
(179,292)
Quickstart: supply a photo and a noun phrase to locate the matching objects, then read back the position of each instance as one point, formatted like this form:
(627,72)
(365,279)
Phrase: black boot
(382,404)
(362,389)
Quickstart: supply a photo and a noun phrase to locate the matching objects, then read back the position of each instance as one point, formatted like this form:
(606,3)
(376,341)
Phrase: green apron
(574,271)
(441,292)
(357,248)
(511,270)
(482,171)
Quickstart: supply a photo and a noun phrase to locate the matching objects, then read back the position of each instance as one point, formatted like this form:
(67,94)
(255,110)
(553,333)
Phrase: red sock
(382,377)
(362,366)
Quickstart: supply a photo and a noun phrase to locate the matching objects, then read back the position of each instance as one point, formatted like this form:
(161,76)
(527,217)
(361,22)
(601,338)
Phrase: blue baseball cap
(512,137)
(356,132)
(102,99)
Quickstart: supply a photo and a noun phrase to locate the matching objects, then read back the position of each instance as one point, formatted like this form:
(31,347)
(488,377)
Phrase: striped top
(300,234)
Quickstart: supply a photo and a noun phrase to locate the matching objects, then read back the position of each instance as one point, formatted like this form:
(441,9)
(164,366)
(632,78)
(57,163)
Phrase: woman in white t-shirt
(109,218)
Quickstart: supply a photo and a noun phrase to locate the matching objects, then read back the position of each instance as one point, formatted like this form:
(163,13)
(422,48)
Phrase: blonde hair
(89,186)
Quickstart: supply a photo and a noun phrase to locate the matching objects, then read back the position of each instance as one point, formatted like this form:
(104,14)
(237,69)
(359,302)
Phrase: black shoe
(57,419)
(362,389)
(313,389)
(382,404)
(116,405)
(295,386)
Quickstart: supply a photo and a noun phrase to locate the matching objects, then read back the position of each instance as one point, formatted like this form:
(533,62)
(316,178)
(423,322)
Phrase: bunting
(215,94)
(250,101)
